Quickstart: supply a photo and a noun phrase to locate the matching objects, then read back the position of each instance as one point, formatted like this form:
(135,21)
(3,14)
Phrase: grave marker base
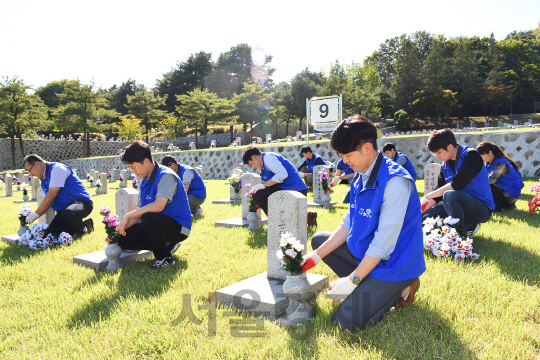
(18,201)
(239,222)
(224,201)
(98,261)
(12,240)
(314,204)
(272,301)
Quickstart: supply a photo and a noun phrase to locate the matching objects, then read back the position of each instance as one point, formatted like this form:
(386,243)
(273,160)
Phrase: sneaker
(199,211)
(168,261)
(89,223)
(472,230)
(176,246)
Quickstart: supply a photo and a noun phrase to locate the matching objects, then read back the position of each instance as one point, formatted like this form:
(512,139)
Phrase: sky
(112,41)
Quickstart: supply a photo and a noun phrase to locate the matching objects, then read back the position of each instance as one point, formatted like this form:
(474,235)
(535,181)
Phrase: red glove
(310,260)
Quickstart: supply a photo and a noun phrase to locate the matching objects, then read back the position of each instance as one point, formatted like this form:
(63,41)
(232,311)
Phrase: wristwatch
(356,280)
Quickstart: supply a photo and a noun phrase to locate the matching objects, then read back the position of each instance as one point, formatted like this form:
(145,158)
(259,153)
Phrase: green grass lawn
(53,309)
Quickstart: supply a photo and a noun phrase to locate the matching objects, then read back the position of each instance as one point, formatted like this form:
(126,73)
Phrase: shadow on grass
(258,238)
(415,332)
(136,280)
(517,262)
(12,255)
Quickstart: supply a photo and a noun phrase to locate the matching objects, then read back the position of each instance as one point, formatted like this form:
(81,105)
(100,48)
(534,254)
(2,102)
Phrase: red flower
(531,207)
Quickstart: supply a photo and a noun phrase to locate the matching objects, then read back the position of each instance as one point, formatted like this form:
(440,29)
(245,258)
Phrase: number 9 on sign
(324,111)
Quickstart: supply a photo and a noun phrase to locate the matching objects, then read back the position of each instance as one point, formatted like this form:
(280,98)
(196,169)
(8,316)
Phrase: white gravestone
(126,201)
(20,176)
(103,178)
(238,141)
(298,135)
(252,179)
(289,214)
(35,185)
(91,173)
(96,176)
(318,192)
(500,123)
(431,176)
(192,146)
(268,138)
(516,123)
(124,174)
(49,215)
(114,175)
(9,185)
(212,144)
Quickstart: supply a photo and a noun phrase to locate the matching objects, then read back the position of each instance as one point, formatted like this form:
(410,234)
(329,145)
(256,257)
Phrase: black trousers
(370,300)
(156,232)
(261,197)
(501,202)
(70,218)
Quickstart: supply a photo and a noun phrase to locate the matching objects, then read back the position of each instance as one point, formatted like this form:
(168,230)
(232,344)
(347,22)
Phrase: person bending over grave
(377,251)
(276,172)
(398,157)
(65,193)
(504,176)
(463,184)
(311,160)
(193,183)
(344,174)
(162,219)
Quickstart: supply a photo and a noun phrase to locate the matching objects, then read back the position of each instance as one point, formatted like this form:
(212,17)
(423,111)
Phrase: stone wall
(520,146)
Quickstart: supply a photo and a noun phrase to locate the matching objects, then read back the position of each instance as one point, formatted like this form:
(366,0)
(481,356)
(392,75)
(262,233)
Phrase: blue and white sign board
(324,128)
(324,110)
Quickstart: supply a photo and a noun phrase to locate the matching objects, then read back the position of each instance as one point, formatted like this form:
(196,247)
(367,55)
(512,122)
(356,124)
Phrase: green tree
(186,76)
(407,80)
(402,118)
(86,110)
(20,111)
(145,106)
(434,102)
(129,127)
(247,104)
(118,95)
(205,108)
(363,91)
(304,85)
(172,126)
(49,93)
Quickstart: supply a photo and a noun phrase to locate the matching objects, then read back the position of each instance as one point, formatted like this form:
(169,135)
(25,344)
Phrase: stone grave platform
(263,296)
(20,201)
(98,261)
(12,240)
(223,201)
(239,222)
(313,204)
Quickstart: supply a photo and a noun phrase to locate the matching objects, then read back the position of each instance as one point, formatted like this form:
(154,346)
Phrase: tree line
(420,75)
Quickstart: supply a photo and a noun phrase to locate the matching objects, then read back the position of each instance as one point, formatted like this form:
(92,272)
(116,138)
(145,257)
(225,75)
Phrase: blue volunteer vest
(346,169)
(408,165)
(479,187)
(72,190)
(197,187)
(178,208)
(293,181)
(407,260)
(313,162)
(512,182)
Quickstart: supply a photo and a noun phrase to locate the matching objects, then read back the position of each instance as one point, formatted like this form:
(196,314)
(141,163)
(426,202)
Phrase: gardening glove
(30,218)
(341,289)
(258,187)
(426,204)
(336,180)
(310,260)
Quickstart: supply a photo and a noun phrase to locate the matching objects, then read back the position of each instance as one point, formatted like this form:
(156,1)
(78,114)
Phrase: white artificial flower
(280,254)
(438,221)
(475,256)
(290,253)
(451,221)
(282,242)
(32,245)
(429,221)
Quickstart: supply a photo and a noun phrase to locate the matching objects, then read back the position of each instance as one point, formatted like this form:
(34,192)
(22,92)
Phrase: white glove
(336,180)
(258,187)
(310,260)
(341,289)
(30,218)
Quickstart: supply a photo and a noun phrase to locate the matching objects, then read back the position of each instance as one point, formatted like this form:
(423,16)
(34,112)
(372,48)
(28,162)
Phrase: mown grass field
(54,309)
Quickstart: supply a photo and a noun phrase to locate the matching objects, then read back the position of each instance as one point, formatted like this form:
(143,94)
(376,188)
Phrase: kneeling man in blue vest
(65,193)
(377,251)
(162,219)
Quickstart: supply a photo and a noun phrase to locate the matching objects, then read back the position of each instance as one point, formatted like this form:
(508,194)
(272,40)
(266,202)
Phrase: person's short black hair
(32,159)
(352,134)
(440,139)
(388,147)
(168,160)
(249,152)
(137,151)
(305,149)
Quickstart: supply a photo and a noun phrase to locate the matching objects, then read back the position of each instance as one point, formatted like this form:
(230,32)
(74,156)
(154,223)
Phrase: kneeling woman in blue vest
(193,183)
(377,251)
(65,193)
(276,172)
(504,176)
(162,219)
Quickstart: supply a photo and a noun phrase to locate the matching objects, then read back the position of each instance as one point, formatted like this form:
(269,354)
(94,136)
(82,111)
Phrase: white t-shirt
(59,175)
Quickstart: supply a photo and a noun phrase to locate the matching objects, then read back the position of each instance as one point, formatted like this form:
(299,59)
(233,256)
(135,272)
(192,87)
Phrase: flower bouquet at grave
(259,141)
(134,183)
(534,204)
(236,182)
(25,189)
(111,222)
(299,136)
(24,211)
(91,180)
(1,178)
(18,182)
(443,240)
(98,183)
(189,145)
(290,253)
(109,175)
(120,177)
(251,206)
(326,186)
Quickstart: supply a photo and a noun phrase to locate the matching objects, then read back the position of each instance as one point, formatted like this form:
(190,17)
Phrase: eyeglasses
(29,170)
(438,153)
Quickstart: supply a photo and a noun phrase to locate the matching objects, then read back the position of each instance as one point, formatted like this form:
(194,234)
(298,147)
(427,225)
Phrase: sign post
(324,113)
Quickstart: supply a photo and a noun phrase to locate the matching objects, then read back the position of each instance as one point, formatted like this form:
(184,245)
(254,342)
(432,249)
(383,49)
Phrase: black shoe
(168,261)
(89,223)
(472,229)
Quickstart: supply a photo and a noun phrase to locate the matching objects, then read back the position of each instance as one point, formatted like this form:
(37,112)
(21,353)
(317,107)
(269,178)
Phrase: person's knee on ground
(71,221)
(318,239)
